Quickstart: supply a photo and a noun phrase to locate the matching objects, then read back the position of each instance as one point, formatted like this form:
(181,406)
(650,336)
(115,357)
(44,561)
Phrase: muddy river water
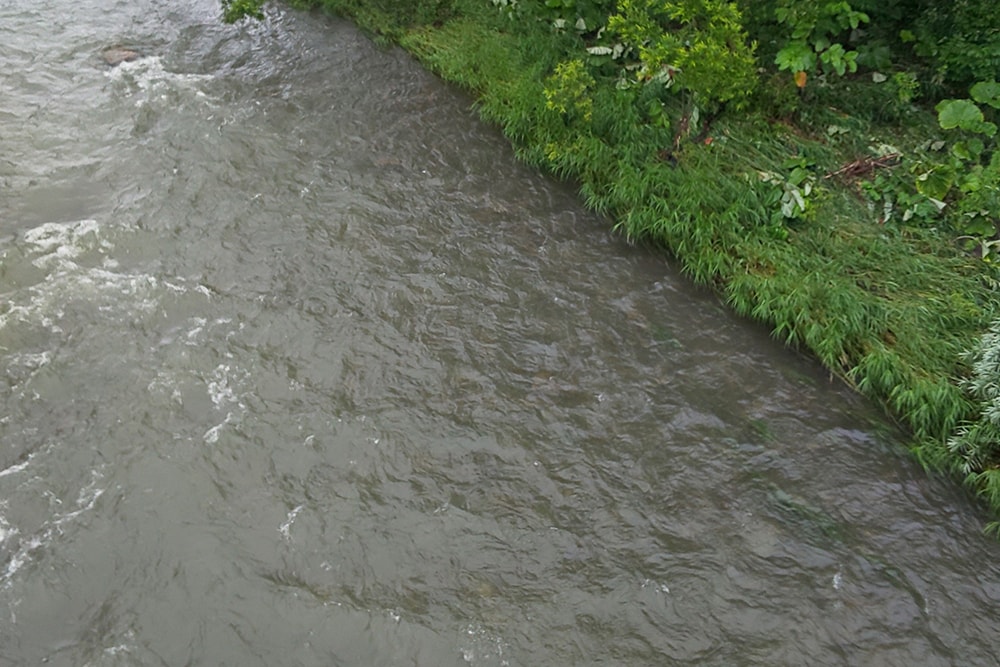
(301,367)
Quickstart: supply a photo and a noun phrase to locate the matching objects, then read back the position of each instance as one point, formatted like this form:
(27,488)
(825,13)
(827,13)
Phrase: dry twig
(864,167)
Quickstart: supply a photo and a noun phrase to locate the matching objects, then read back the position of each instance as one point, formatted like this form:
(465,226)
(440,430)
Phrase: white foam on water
(53,242)
(179,381)
(285,529)
(56,247)
(195,337)
(220,389)
(74,258)
(32,360)
(166,383)
(150,79)
(194,334)
(6,530)
(656,586)
(221,392)
(481,647)
(119,295)
(115,650)
(19,558)
(23,366)
(212,435)
(52,528)
(86,498)
(17,467)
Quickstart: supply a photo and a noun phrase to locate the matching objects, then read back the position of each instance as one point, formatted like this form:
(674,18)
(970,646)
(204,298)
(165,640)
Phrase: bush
(961,39)
(697,45)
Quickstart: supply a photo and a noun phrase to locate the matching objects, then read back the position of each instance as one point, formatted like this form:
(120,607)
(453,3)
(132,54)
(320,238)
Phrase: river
(301,367)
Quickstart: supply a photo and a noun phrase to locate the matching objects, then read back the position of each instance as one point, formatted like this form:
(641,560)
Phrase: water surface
(302,368)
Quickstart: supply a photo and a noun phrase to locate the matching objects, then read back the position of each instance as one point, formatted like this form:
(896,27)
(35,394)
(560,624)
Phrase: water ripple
(302,367)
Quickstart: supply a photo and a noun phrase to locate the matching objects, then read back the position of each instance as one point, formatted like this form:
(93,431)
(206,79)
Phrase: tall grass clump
(976,444)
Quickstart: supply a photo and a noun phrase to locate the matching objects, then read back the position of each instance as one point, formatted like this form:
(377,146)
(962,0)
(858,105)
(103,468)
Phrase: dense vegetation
(830,167)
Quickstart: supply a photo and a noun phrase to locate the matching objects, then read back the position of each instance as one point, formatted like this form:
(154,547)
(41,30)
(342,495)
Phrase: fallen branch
(864,167)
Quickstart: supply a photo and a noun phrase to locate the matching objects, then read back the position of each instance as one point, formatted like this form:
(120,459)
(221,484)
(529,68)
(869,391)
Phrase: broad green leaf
(972,182)
(958,113)
(968,150)
(798,176)
(980,226)
(935,183)
(986,92)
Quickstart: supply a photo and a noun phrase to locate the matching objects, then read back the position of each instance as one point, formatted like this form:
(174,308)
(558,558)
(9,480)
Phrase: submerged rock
(117,55)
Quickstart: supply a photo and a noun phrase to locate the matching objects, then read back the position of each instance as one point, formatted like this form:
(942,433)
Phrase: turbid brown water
(302,368)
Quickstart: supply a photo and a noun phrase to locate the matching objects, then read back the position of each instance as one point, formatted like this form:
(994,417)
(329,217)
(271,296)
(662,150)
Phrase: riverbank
(782,200)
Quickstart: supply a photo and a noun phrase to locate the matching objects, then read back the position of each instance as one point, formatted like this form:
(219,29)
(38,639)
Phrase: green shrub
(698,46)
(568,90)
(970,175)
(234,10)
(961,39)
(817,27)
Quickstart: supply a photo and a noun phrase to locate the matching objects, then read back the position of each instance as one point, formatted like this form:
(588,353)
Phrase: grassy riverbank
(790,200)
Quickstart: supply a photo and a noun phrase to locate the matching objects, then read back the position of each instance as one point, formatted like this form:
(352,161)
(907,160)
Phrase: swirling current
(301,367)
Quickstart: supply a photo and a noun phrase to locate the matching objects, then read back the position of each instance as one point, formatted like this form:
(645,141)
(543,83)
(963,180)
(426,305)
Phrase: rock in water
(117,55)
